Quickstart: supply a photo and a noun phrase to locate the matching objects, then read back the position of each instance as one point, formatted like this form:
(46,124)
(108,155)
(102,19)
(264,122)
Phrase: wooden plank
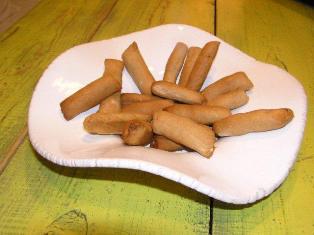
(101,201)
(281,33)
(29,46)
(38,196)
(142,14)
(12,10)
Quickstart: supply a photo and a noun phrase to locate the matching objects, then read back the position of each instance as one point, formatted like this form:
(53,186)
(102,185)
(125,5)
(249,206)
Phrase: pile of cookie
(168,115)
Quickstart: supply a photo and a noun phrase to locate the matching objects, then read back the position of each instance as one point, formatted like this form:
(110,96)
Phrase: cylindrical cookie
(175,92)
(111,123)
(89,96)
(254,121)
(184,131)
(202,65)
(163,143)
(232,82)
(191,57)
(129,98)
(112,103)
(137,132)
(231,100)
(202,114)
(148,107)
(175,62)
(137,68)
(114,68)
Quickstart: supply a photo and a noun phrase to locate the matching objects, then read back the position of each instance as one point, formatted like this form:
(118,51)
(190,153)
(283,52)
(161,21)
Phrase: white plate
(242,169)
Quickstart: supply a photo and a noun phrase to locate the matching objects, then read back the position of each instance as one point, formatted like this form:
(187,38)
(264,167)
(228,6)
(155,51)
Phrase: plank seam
(9,34)
(211,215)
(13,148)
(211,202)
(215,18)
(19,19)
(102,21)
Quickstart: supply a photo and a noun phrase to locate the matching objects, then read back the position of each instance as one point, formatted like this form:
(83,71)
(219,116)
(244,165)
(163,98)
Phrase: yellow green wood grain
(131,16)
(13,10)
(37,196)
(282,33)
(30,45)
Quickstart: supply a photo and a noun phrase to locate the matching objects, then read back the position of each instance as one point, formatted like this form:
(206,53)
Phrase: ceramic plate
(242,169)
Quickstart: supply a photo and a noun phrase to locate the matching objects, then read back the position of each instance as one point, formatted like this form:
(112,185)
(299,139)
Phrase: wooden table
(38,197)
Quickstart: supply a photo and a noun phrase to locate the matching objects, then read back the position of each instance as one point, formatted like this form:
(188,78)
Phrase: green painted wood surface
(144,14)
(29,46)
(37,196)
(12,10)
(282,33)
